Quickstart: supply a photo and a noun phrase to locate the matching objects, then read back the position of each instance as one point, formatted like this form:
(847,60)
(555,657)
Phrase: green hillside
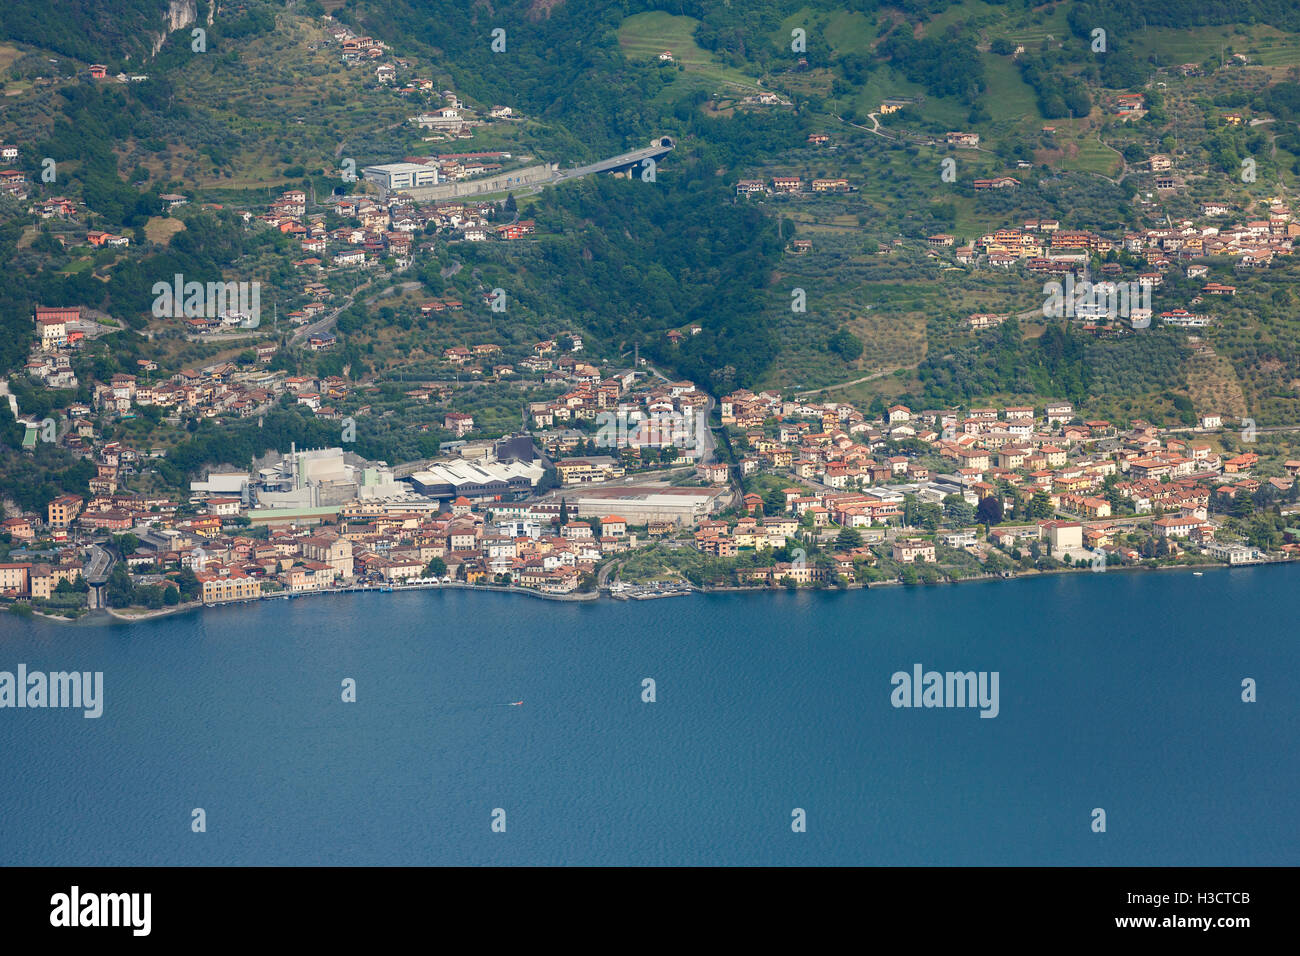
(271,104)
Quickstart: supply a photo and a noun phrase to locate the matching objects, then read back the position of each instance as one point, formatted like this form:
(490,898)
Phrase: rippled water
(1119,691)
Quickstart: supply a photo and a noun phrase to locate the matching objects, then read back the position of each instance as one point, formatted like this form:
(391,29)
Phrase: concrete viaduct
(547,174)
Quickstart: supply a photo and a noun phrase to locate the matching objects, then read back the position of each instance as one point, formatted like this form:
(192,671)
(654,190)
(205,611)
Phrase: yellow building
(234,586)
(15,577)
(586,470)
(63,510)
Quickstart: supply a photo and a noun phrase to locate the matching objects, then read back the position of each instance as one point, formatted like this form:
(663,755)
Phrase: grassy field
(8,56)
(160,229)
(1212,383)
(646,35)
(971,10)
(844,32)
(1264,45)
(1012,102)
(84,264)
(1031,30)
(1084,152)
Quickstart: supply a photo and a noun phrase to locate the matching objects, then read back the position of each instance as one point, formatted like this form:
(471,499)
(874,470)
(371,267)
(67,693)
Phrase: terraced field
(646,35)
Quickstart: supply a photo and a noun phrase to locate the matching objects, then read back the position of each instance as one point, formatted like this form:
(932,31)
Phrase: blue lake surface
(1120,691)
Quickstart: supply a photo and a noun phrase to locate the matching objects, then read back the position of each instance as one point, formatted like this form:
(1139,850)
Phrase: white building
(1234,553)
(398,176)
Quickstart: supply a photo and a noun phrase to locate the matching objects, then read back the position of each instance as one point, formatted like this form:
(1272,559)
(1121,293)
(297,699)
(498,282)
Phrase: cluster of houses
(353,47)
(219,390)
(1042,246)
(764,98)
(212,391)
(1094,478)
(56,207)
(1129,105)
(381,542)
(546,358)
(791,186)
(452,117)
(60,331)
(99,71)
(379,234)
(385,228)
(1012,453)
(454,167)
(627,417)
(13,182)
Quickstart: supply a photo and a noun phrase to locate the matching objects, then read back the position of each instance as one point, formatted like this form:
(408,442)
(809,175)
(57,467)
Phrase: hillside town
(614,477)
(809,494)
(623,461)
(1042,248)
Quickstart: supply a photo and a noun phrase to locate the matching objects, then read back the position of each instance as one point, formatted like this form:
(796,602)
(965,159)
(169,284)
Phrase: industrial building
(399,176)
(324,476)
(641,504)
(477,479)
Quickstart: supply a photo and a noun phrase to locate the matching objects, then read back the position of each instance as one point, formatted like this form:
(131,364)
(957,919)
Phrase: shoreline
(125,614)
(582,596)
(131,616)
(977,578)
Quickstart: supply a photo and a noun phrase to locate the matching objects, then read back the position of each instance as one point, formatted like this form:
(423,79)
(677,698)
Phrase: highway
(96,574)
(99,566)
(614,162)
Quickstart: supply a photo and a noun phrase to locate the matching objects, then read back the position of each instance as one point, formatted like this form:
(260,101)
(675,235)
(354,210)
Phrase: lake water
(1119,691)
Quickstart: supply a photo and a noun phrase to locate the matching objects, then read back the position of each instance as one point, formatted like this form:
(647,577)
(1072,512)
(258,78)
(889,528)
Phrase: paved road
(856,381)
(708,444)
(873,128)
(605,572)
(99,566)
(326,323)
(614,162)
(9,397)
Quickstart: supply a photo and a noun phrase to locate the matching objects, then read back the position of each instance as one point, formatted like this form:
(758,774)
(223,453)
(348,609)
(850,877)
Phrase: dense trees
(238,443)
(845,344)
(1059,94)
(1062,362)
(632,260)
(848,538)
(947,65)
(989,511)
(90,30)
(121,589)
(543,70)
(1283,14)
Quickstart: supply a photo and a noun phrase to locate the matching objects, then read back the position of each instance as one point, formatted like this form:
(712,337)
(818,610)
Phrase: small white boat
(1197,574)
